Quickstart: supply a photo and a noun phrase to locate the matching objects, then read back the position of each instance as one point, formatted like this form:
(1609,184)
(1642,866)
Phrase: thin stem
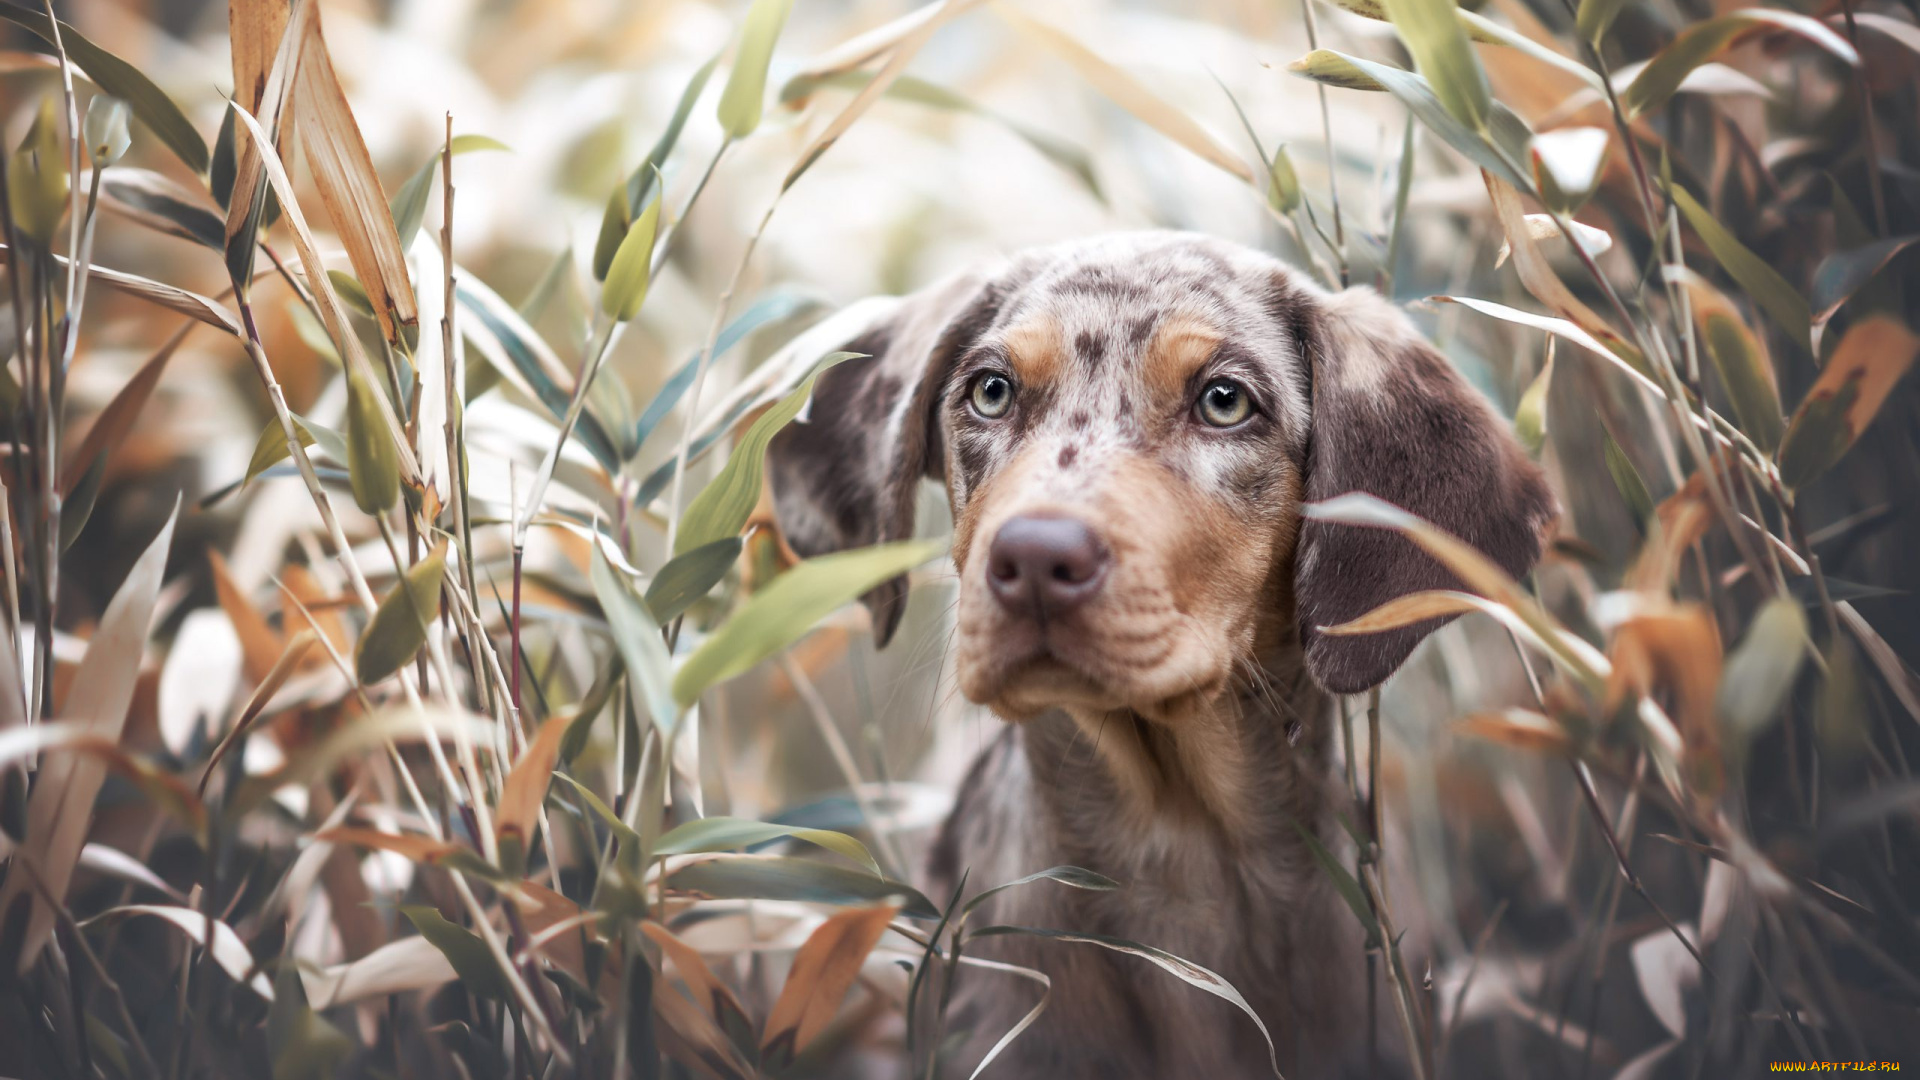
(701,368)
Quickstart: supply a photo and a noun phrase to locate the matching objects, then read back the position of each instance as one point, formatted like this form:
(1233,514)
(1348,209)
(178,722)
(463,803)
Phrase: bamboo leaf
(61,807)
(1343,882)
(745,95)
(822,973)
(518,810)
(1074,876)
(1500,148)
(690,576)
(1761,281)
(1627,479)
(778,615)
(723,506)
(1594,18)
(1703,41)
(1740,356)
(624,203)
(1530,415)
(1761,669)
(1127,92)
(1869,360)
(707,989)
(1432,32)
(631,270)
(776,877)
(1843,273)
(373,463)
(636,633)
(704,835)
(399,626)
(301,1045)
(464,950)
(349,188)
(37,179)
(226,948)
(121,79)
(408,963)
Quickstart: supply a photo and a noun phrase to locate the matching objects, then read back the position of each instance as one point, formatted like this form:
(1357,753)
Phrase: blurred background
(1544,962)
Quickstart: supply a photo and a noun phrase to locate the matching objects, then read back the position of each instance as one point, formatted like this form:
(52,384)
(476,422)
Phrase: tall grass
(403,679)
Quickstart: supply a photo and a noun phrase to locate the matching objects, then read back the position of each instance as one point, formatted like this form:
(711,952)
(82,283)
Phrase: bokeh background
(1542,961)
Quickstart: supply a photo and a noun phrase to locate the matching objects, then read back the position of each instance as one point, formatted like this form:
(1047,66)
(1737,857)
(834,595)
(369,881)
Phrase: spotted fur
(1173,732)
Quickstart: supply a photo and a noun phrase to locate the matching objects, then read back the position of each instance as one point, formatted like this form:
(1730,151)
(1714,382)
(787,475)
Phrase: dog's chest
(1252,910)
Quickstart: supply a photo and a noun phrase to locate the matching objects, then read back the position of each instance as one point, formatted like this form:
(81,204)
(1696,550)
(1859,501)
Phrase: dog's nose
(1042,567)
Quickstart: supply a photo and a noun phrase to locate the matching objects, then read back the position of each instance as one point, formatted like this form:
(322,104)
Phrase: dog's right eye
(991,395)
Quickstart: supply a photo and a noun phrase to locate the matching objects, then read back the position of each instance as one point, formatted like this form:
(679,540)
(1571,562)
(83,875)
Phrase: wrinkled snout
(1043,567)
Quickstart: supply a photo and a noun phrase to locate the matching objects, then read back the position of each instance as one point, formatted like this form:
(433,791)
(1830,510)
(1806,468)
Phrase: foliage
(471,753)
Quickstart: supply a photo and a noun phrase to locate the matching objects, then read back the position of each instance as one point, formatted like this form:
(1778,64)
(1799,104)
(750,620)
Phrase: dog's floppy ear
(1392,418)
(846,475)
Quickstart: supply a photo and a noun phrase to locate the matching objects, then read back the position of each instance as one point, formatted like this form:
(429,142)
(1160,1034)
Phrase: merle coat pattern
(1172,727)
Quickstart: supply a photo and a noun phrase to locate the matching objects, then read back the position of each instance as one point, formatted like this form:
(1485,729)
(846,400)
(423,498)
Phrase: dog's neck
(1238,769)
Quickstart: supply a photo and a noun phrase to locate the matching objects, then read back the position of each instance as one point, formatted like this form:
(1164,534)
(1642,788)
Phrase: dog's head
(1127,429)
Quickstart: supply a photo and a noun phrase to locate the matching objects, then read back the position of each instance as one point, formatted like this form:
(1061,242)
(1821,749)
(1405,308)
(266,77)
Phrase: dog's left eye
(1224,403)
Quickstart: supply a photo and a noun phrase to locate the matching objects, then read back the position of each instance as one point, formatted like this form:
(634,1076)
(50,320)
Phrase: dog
(1127,428)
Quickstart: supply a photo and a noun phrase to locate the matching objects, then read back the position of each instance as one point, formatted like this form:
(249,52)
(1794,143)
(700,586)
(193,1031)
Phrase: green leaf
(639,185)
(497,321)
(124,81)
(1761,669)
(703,835)
(409,205)
(1761,281)
(777,877)
(773,307)
(1432,32)
(631,271)
(603,811)
(373,462)
(741,101)
(1501,149)
(1075,876)
(351,292)
(779,614)
(1185,970)
(723,506)
(1843,273)
(907,88)
(465,144)
(637,635)
(1627,479)
(1530,416)
(1343,882)
(271,448)
(1661,78)
(399,626)
(1739,355)
(301,1045)
(37,180)
(164,206)
(78,507)
(688,577)
(1283,184)
(469,955)
(1595,17)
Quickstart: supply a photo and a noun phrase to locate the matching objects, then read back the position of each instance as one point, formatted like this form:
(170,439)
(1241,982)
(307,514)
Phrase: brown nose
(1044,567)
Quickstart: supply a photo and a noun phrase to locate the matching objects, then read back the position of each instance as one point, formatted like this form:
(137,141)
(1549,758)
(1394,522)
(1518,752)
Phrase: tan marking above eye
(1180,347)
(1036,345)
